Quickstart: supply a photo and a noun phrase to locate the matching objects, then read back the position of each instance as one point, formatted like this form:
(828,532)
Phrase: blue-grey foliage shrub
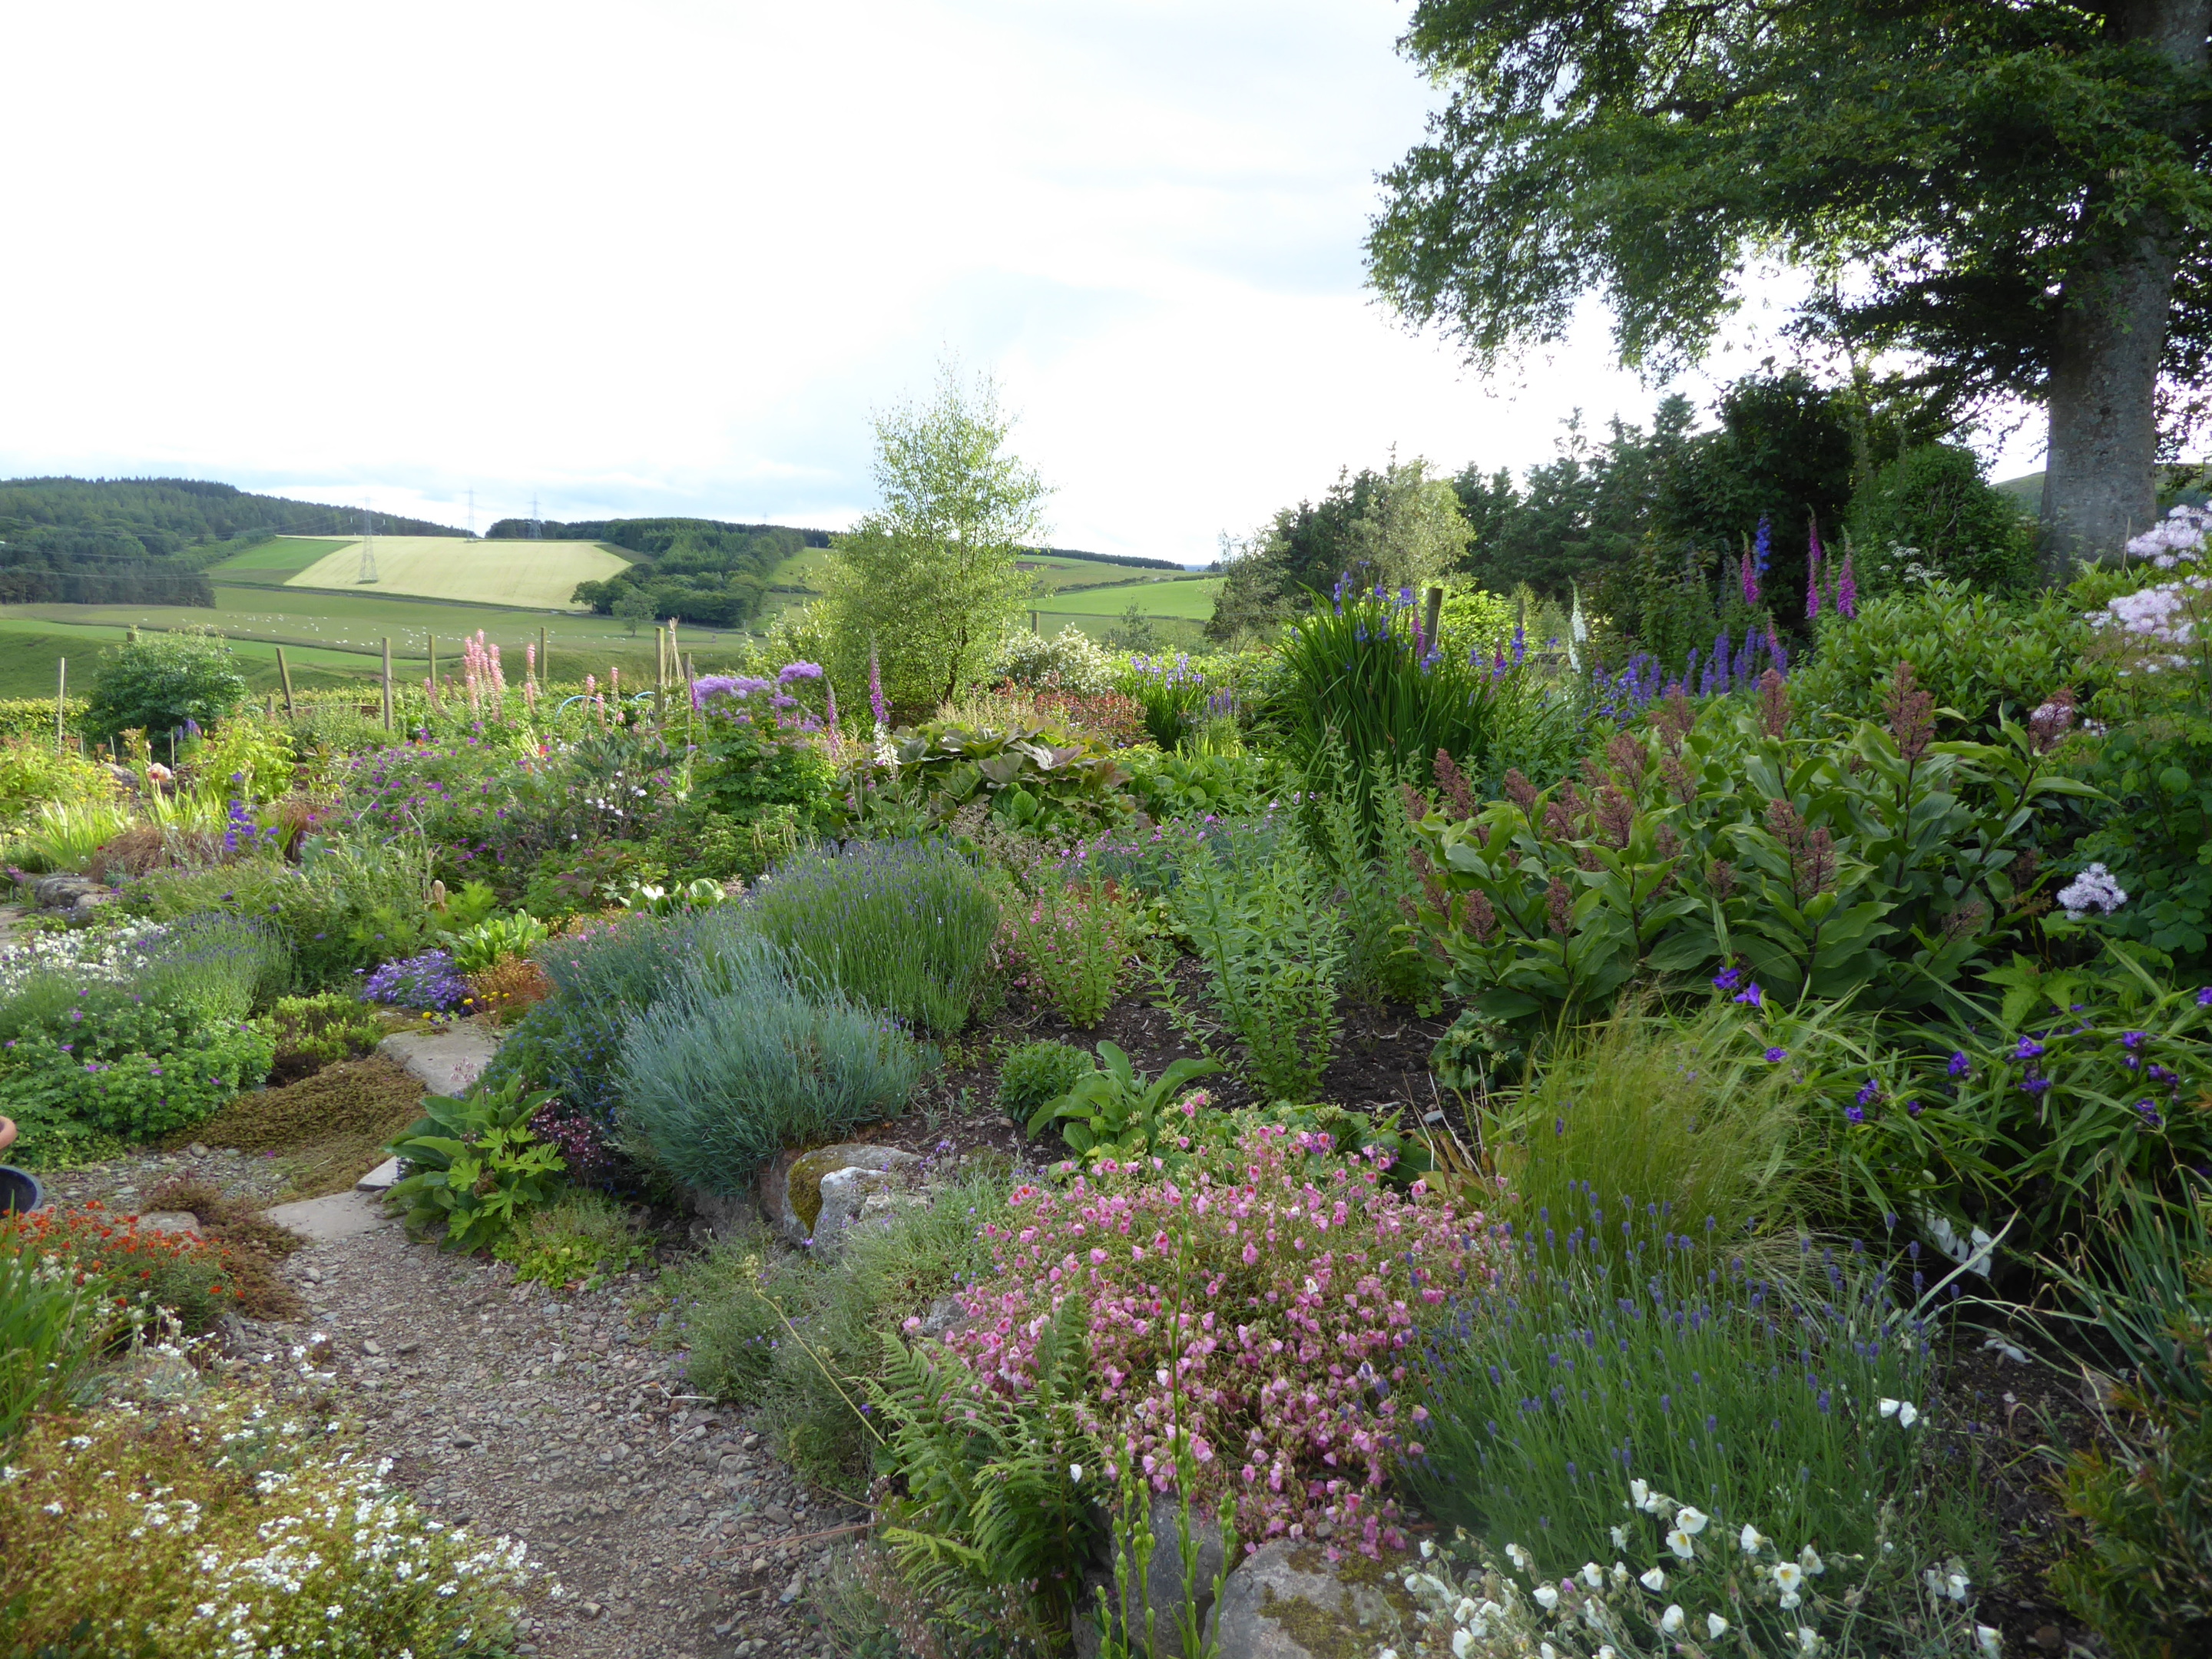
(904,926)
(736,1062)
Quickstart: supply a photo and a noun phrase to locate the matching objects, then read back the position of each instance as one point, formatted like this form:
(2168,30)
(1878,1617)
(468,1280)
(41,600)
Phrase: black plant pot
(19,1190)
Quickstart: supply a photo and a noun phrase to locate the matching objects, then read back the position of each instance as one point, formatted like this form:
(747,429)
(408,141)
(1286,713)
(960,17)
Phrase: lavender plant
(1800,1407)
(904,926)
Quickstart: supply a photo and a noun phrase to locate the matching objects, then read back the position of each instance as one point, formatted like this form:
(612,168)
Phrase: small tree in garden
(930,576)
(158,682)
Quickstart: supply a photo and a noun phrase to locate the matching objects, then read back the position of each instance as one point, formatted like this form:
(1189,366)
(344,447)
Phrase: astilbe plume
(1520,791)
(1453,783)
(1773,704)
(1560,907)
(2052,719)
(1811,852)
(1284,1298)
(1912,713)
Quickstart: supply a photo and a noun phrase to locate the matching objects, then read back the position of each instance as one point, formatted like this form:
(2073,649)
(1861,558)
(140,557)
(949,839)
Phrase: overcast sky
(661,258)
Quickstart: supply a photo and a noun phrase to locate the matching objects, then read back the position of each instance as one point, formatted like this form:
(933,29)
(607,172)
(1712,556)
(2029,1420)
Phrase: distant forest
(146,541)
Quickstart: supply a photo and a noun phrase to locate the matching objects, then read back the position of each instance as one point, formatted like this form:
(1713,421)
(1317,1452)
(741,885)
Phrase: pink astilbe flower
(1287,1299)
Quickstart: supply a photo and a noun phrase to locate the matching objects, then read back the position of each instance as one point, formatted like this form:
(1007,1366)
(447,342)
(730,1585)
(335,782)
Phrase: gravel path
(547,1417)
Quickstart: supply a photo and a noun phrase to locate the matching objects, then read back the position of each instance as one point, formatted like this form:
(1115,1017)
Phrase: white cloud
(667,256)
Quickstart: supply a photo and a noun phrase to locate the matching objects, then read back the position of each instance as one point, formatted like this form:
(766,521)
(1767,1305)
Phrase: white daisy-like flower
(1547,1597)
(1593,1575)
(1678,1541)
(1692,1521)
(1671,1620)
(1751,1539)
(1789,1575)
(1655,1581)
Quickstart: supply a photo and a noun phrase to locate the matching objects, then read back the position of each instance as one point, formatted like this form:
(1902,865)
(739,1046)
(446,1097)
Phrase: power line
(367,545)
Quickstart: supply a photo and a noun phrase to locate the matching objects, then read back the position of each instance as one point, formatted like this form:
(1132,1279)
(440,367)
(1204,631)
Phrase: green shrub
(1071,941)
(579,1239)
(350,903)
(906,928)
(474,1166)
(32,774)
(1038,1072)
(87,1067)
(1976,654)
(1932,508)
(737,1062)
(314,1032)
(748,771)
(1272,944)
(732,1304)
(1872,865)
(158,682)
(1112,1112)
(233,1521)
(1179,786)
(1585,1384)
(2153,832)
(1039,778)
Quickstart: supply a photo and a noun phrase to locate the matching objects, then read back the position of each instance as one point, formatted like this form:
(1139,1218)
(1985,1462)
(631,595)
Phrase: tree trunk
(2099,481)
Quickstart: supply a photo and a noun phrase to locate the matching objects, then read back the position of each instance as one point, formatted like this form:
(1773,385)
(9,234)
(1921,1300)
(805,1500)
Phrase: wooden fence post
(387,682)
(284,676)
(61,697)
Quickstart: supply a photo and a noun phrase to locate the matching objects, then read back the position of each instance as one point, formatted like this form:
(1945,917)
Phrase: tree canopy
(930,577)
(2013,194)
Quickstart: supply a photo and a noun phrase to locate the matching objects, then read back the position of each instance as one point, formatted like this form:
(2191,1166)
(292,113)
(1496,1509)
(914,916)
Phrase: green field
(1190,599)
(537,575)
(278,558)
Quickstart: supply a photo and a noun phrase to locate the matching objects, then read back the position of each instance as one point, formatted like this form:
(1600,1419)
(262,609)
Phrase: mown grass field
(1190,599)
(278,559)
(537,575)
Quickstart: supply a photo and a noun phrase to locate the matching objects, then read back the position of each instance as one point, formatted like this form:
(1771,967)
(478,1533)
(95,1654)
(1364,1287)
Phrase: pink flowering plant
(1268,1315)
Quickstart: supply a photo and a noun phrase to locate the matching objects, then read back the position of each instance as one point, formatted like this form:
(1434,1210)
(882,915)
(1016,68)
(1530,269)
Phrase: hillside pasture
(537,575)
(279,558)
(1189,598)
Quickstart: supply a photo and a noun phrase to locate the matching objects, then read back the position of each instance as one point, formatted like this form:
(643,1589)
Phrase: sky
(663,258)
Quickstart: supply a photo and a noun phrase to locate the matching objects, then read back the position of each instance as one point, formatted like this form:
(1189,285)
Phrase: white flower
(1715,1626)
(1621,1572)
(1751,1539)
(1789,1575)
(1810,1559)
(1640,1494)
(1606,1652)
(1671,1620)
(1075,1472)
(2093,890)
(1655,1581)
(1462,1641)
(1620,1538)
(1691,1521)
(1678,1541)
(1546,1650)
(1987,1639)
(1807,1639)
(1464,1610)
(1593,1575)
(1428,1548)
(1519,1556)
(1547,1597)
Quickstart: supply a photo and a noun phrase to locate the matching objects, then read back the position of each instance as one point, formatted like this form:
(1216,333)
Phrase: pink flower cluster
(1266,1317)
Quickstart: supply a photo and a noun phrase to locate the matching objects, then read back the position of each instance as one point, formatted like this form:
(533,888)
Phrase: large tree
(930,579)
(2013,191)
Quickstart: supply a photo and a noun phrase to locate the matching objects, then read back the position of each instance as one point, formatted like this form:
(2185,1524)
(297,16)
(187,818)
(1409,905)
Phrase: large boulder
(791,1194)
(1163,1586)
(1288,1601)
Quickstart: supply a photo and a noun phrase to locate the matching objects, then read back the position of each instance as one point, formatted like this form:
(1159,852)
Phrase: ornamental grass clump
(904,926)
(1288,1301)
